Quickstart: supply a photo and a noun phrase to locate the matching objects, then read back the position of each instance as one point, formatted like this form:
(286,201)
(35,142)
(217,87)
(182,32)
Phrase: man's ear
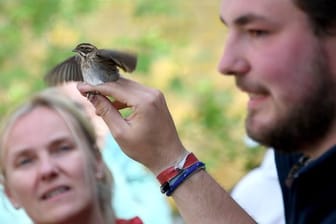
(11,196)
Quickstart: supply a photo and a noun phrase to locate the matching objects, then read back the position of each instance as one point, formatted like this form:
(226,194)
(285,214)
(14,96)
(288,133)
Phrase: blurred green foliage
(153,8)
(178,44)
(22,24)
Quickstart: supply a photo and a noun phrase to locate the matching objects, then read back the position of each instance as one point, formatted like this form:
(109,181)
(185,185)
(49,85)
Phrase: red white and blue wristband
(172,177)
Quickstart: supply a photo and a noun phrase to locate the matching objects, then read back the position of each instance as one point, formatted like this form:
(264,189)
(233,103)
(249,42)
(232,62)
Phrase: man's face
(278,61)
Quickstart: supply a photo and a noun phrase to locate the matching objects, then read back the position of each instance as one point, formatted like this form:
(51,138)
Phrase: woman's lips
(55,192)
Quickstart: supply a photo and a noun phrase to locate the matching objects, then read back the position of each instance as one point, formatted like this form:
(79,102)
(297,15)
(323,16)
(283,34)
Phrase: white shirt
(259,192)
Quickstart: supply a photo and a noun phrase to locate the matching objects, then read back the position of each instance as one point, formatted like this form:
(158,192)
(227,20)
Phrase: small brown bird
(92,65)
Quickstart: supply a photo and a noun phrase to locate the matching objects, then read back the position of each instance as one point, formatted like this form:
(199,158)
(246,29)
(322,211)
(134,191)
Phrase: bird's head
(84,49)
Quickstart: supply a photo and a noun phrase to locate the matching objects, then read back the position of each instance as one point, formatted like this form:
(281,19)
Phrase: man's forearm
(200,199)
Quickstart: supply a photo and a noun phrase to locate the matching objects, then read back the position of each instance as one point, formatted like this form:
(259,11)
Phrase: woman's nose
(47,168)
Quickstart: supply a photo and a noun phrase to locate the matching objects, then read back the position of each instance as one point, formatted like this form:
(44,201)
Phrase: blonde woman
(51,165)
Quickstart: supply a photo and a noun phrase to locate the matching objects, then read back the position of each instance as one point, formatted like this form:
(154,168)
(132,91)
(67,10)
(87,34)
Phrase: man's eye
(257,33)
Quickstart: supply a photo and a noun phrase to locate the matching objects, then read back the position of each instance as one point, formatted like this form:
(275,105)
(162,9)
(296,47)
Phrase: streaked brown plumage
(92,65)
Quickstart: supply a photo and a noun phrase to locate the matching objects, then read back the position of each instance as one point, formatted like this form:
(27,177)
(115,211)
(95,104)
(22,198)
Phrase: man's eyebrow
(248,18)
(245,19)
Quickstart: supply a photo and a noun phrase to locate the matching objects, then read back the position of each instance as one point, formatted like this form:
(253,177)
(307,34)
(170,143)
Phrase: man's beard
(307,122)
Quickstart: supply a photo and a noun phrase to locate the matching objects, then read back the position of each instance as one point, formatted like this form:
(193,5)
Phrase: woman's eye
(24,161)
(64,148)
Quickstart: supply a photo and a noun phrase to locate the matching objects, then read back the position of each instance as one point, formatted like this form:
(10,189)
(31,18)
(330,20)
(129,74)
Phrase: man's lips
(255,99)
(256,96)
(55,191)
(257,93)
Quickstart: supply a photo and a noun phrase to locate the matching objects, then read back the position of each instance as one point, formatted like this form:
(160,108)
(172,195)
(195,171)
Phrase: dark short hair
(322,15)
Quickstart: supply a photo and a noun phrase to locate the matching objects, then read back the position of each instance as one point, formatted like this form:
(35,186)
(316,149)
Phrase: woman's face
(46,172)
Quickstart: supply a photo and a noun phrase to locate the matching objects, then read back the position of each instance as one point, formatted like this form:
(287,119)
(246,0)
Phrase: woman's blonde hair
(82,130)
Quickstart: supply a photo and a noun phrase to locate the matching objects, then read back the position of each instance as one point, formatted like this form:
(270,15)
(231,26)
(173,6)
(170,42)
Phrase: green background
(178,43)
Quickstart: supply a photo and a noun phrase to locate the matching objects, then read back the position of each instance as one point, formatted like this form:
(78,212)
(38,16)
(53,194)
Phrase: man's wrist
(172,177)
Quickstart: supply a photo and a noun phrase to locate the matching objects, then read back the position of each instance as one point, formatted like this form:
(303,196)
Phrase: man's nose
(234,59)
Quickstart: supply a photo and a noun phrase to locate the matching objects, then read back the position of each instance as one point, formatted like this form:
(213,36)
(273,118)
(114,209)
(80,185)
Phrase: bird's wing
(125,61)
(68,70)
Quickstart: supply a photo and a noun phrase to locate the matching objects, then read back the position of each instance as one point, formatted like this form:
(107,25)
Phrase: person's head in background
(71,91)
(282,54)
(51,165)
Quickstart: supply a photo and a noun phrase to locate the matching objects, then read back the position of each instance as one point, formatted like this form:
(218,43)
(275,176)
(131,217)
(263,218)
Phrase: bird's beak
(75,50)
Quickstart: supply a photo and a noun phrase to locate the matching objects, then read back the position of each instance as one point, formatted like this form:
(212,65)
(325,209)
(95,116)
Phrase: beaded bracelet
(171,186)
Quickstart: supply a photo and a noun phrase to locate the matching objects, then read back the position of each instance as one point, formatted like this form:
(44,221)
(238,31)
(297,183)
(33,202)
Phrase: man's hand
(148,134)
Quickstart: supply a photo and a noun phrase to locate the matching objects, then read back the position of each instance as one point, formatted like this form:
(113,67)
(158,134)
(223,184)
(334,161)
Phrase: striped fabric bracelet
(173,184)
